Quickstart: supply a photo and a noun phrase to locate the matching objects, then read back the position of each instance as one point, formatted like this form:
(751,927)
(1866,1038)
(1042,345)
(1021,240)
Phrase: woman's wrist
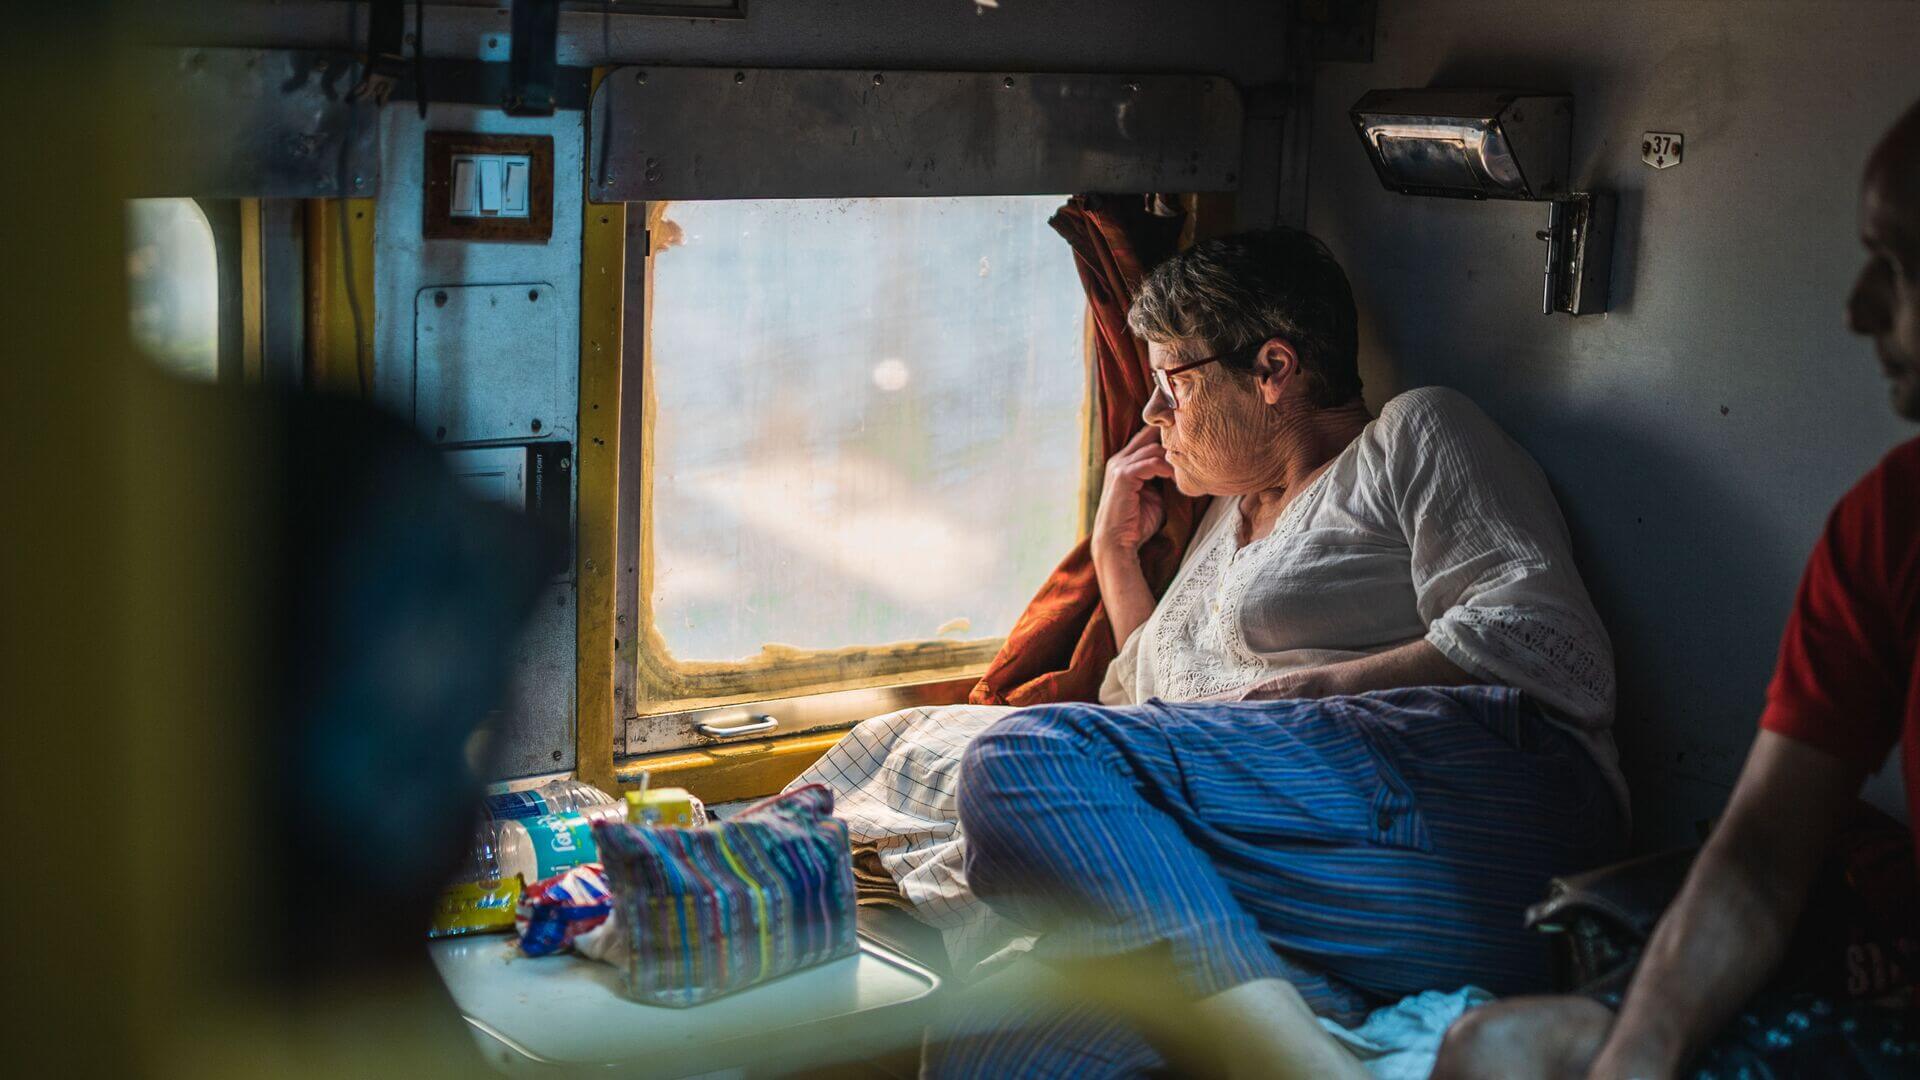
(1109,555)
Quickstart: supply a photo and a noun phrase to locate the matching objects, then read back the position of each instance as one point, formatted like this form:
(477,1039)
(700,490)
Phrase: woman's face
(1219,434)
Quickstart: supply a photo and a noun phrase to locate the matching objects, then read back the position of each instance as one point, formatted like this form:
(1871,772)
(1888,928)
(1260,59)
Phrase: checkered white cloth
(893,779)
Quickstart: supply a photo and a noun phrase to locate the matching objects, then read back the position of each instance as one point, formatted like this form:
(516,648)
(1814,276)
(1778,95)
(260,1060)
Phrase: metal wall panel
(727,133)
(487,364)
(538,727)
(540,720)
(281,227)
(265,123)
(1247,43)
(1699,432)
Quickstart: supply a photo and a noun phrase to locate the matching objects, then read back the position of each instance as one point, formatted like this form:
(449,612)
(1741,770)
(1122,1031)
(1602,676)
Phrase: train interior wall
(1697,433)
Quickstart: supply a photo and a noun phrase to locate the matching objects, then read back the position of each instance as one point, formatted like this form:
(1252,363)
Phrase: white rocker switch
(461,196)
(492,184)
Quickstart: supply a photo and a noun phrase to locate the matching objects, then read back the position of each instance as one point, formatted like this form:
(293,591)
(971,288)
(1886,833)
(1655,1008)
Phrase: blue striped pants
(1362,848)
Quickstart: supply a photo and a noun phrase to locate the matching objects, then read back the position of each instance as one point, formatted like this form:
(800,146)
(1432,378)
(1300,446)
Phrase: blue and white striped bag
(720,907)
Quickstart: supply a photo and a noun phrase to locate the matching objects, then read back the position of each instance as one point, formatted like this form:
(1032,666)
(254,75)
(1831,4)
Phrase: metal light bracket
(532,64)
(1497,144)
(1579,237)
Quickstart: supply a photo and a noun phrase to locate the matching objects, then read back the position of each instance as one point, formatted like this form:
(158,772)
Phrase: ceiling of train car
(1244,42)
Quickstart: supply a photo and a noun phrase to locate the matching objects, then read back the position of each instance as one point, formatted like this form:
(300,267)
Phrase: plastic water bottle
(522,837)
(536,848)
(554,797)
(541,832)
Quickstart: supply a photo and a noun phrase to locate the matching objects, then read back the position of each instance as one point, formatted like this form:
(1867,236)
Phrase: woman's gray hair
(1236,291)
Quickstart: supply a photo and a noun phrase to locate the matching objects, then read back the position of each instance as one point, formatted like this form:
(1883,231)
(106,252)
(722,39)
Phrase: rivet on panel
(440,298)
(535,426)
(640,77)
(878,79)
(739,76)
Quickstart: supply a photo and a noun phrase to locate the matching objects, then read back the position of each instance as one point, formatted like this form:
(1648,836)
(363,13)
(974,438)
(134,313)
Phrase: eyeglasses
(1163,377)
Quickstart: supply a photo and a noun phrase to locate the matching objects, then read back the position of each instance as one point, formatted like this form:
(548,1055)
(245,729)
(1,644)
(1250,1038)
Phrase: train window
(864,439)
(173,285)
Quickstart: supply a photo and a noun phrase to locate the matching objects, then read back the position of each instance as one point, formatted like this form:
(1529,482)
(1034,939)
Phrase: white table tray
(564,1010)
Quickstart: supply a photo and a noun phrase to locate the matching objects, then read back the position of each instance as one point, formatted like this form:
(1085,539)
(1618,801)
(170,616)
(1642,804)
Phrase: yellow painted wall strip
(603,253)
(251,296)
(339,274)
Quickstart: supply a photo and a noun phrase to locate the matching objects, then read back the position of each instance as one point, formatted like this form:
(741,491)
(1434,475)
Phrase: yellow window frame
(604,645)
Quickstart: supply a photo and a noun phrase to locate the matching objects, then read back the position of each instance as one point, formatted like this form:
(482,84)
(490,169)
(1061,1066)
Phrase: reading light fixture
(1497,144)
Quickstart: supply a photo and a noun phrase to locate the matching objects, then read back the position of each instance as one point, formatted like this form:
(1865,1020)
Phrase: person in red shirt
(1846,689)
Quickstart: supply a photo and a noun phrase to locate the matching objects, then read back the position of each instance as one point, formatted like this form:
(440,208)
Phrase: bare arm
(1417,663)
(1124,591)
(1130,514)
(1729,926)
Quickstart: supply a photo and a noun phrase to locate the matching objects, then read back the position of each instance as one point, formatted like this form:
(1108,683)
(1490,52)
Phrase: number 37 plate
(1661,149)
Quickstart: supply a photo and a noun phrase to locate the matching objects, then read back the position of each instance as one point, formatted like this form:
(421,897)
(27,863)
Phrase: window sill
(726,773)
(834,710)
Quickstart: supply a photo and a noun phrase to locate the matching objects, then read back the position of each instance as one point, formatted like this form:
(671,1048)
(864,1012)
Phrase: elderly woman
(1367,721)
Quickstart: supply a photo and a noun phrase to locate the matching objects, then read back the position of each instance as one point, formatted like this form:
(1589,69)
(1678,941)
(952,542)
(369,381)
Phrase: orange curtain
(1060,648)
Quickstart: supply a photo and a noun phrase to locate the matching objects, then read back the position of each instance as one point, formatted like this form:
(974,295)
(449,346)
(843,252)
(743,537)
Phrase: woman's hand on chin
(1129,513)
(1315,682)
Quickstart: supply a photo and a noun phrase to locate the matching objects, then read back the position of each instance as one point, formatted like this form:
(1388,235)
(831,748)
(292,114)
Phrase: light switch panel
(482,186)
(488,187)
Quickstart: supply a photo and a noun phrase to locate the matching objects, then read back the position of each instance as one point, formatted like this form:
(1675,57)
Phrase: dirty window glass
(868,423)
(173,286)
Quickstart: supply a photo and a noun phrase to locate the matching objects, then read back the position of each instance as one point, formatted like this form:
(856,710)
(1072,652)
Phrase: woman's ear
(1277,367)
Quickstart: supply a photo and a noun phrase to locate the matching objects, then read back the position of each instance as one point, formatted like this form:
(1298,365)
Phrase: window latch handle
(751,724)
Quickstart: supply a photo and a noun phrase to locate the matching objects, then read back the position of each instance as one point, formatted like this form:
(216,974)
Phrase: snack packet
(572,909)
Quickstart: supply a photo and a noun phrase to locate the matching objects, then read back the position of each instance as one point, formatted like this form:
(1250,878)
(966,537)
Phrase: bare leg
(1544,1037)
(1265,1029)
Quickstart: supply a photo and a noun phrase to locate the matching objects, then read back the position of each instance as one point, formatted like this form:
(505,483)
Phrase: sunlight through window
(173,286)
(869,420)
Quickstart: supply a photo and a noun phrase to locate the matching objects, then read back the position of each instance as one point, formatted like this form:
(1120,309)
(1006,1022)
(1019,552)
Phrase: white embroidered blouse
(1432,525)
